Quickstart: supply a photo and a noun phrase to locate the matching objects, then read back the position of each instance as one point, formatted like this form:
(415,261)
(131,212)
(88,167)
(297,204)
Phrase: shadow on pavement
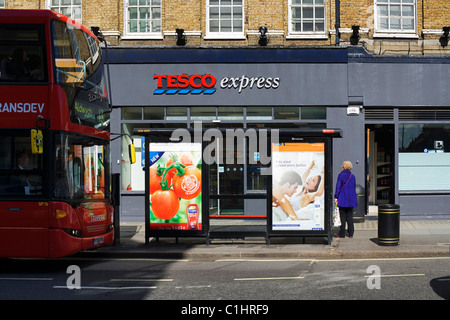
(441,286)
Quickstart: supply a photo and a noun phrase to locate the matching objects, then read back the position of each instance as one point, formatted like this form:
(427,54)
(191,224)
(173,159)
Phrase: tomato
(155,180)
(186,159)
(189,185)
(165,204)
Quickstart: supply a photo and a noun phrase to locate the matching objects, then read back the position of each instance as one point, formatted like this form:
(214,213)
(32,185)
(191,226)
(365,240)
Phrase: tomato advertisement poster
(298,186)
(175,186)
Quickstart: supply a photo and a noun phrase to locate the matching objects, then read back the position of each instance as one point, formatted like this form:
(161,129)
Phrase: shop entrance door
(226,180)
(237,185)
(237,189)
(380,163)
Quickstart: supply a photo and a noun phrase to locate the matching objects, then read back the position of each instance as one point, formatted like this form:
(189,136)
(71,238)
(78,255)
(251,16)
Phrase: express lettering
(20,107)
(246,82)
(184,80)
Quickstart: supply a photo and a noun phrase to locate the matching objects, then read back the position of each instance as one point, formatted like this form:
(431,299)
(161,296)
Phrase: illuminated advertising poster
(175,186)
(298,186)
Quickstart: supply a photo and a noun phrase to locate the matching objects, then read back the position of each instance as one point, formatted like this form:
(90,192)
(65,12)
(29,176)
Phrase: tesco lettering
(184,80)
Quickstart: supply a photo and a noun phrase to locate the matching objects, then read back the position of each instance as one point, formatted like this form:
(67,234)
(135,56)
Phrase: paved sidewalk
(418,238)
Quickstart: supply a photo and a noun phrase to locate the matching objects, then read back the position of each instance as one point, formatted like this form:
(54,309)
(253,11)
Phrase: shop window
(231,113)
(133,178)
(259,113)
(132,113)
(2,4)
(176,113)
(314,113)
(69,8)
(203,113)
(287,125)
(255,180)
(286,113)
(423,159)
(154,113)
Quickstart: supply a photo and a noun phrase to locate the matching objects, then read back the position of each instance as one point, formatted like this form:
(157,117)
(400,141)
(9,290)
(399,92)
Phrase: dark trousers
(346,215)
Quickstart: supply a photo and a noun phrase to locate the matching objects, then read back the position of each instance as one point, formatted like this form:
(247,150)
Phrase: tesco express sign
(205,84)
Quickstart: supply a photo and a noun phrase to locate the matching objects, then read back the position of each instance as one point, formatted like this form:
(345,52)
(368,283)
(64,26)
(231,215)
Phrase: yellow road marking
(268,278)
(395,275)
(142,280)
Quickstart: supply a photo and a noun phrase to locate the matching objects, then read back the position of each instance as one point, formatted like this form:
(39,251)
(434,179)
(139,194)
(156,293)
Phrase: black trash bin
(389,225)
(359,213)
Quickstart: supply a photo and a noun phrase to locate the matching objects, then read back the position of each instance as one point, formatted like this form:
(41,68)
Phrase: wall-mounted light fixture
(444,39)
(263,40)
(354,38)
(96,31)
(181,37)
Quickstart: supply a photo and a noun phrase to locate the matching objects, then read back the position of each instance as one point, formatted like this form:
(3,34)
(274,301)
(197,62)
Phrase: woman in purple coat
(346,199)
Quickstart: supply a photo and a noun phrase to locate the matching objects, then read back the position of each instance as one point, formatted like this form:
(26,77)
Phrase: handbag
(336,217)
(340,189)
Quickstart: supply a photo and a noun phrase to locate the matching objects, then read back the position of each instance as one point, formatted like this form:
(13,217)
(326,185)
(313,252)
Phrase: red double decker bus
(54,137)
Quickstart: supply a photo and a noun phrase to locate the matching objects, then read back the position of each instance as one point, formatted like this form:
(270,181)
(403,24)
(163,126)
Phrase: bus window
(20,170)
(70,68)
(81,168)
(22,57)
(94,173)
(79,71)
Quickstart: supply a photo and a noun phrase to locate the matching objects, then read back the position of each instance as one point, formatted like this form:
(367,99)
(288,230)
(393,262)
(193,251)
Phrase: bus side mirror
(37,143)
(132,153)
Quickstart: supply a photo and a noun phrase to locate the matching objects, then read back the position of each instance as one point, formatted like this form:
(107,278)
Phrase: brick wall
(190,15)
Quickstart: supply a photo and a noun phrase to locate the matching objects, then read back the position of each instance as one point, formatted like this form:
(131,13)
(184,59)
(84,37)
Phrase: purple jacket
(346,191)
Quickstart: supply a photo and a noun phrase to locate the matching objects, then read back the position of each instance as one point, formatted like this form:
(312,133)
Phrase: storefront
(389,110)
(407,119)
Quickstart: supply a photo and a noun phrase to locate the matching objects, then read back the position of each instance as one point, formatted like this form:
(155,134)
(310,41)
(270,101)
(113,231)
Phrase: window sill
(187,33)
(395,35)
(228,36)
(321,36)
(143,37)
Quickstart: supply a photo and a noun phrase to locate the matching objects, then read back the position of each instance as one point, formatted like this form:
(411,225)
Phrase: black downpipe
(109,78)
(338,22)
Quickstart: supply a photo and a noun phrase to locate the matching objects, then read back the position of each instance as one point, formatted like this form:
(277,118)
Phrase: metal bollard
(359,213)
(389,225)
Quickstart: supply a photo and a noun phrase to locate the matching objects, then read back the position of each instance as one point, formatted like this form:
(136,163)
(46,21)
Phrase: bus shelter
(194,178)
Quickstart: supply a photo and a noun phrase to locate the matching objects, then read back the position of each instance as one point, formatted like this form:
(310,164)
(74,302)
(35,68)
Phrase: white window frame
(139,35)
(307,34)
(394,33)
(48,5)
(2,6)
(240,35)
